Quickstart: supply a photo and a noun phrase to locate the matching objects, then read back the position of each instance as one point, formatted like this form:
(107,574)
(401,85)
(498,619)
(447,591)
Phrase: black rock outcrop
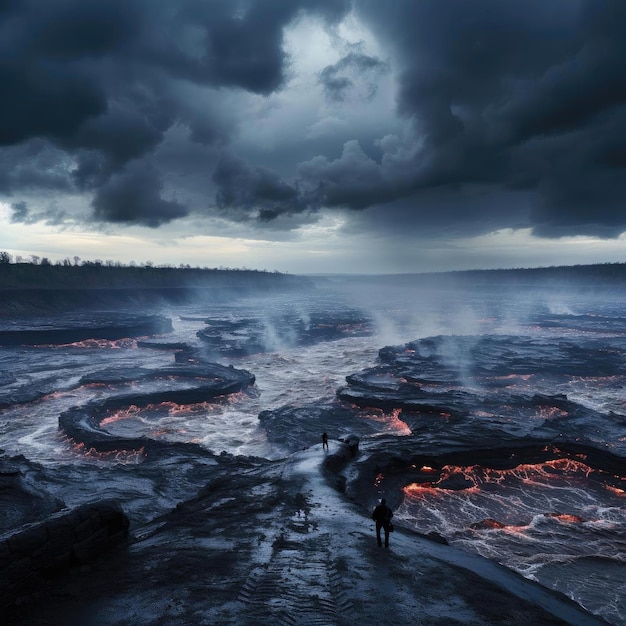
(40,551)
(111,327)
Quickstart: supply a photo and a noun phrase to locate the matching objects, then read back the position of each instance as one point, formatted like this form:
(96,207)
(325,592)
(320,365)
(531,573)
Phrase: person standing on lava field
(382,516)
(324,441)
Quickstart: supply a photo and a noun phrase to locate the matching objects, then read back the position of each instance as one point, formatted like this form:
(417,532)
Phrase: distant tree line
(40,273)
(34,259)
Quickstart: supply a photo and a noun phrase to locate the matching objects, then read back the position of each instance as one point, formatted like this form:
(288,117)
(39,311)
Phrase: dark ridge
(43,301)
(596,275)
(26,288)
(107,329)
(97,276)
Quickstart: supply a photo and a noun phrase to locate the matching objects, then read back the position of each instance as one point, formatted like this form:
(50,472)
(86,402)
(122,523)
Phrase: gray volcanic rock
(240,337)
(40,331)
(464,383)
(40,551)
(22,498)
(298,427)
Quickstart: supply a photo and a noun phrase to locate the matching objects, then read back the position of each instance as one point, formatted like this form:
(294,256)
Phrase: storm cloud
(257,193)
(103,81)
(510,96)
(133,197)
(502,114)
(339,79)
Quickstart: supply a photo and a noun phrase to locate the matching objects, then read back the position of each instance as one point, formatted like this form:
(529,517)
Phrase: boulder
(40,551)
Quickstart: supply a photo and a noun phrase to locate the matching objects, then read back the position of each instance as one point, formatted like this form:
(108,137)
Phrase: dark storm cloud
(22,213)
(353,180)
(337,79)
(246,193)
(33,166)
(46,52)
(102,80)
(509,96)
(516,111)
(64,62)
(134,197)
(103,145)
(19,212)
(246,48)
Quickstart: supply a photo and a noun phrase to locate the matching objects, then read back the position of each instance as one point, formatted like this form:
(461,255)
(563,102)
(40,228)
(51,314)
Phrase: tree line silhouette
(40,273)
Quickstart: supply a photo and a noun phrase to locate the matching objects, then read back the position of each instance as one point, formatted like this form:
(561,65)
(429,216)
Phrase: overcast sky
(314,135)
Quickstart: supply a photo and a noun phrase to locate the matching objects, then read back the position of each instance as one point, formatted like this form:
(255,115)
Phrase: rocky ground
(275,544)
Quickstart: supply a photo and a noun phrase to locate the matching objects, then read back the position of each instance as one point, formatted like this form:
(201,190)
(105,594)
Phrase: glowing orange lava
(472,478)
(523,377)
(391,420)
(105,344)
(421,490)
(567,518)
(127,413)
(549,412)
(126,457)
(172,409)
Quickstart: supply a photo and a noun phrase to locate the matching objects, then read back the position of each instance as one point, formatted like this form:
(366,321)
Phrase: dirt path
(275,544)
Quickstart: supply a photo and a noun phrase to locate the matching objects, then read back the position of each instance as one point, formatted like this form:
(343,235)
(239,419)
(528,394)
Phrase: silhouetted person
(382,516)
(324,441)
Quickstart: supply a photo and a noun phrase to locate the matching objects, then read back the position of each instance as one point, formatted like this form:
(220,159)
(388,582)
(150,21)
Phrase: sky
(314,136)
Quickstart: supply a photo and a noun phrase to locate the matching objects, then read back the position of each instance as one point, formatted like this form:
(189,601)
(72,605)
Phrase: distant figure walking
(382,516)
(324,441)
